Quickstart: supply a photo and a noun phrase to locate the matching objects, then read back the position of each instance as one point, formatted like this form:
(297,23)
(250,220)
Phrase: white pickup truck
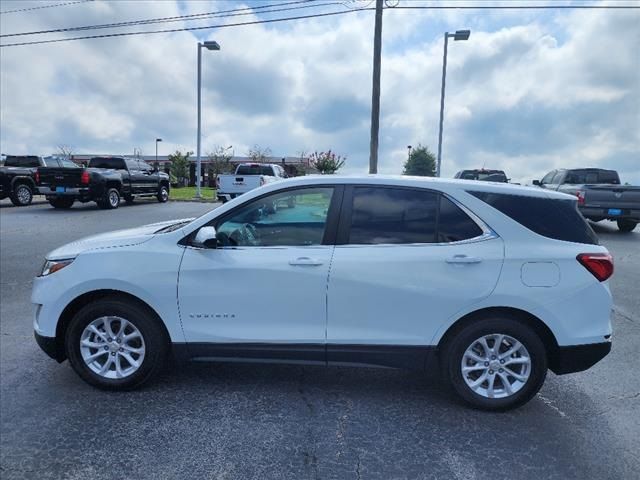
(247,177)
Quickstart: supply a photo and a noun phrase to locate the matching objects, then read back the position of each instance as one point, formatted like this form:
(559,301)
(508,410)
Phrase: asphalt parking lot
(246,421)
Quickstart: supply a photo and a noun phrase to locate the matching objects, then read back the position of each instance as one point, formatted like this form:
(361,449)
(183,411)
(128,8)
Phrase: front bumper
(50,346)
(577,358)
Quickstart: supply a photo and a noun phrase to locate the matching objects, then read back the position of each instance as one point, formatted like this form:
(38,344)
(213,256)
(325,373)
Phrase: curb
(193,200)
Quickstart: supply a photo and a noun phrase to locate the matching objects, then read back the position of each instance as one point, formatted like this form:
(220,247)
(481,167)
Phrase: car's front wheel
(163,194)
(495,363)
(115,344)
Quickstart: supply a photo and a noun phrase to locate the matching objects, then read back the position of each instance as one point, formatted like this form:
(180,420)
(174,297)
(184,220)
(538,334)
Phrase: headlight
(52,266)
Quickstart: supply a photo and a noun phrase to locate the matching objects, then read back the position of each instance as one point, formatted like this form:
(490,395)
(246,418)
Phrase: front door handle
(305,262)
(463,259)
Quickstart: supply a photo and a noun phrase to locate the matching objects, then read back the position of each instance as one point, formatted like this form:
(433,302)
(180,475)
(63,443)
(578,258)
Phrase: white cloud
(528,92)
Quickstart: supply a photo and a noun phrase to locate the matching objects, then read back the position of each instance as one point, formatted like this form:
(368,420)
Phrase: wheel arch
(23,180)
(113,183)
(79,302)
(518,315)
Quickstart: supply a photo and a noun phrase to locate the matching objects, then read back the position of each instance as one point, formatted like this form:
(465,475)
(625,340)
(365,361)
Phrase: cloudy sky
(530,91)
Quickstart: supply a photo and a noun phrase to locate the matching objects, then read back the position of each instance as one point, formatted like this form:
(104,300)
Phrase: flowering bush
(326,162)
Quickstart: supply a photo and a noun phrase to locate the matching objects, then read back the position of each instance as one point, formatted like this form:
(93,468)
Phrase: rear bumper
(577,358)
(49,345)
(598,213)
(81,193)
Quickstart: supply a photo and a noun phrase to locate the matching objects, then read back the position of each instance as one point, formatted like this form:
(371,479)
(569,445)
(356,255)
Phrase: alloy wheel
(112,347)
(496,366)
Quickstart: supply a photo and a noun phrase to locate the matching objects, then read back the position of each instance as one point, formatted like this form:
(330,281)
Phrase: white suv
(493,283)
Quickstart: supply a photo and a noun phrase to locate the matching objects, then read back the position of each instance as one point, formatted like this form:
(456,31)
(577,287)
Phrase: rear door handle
(305,262)
(463,259)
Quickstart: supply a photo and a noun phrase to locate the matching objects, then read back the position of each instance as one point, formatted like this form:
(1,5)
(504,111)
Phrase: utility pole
(375,91)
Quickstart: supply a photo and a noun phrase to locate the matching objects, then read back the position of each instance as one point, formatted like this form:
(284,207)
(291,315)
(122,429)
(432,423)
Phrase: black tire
(626,225)
(61,202)
(156,343)
(111,199)
(21,195)
(456,346)
(163,194)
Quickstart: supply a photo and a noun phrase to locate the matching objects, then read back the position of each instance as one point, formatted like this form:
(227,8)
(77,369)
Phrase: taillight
(84,178)
(37,177)
(262,181)
(580,194)
(218,182)
(600,265)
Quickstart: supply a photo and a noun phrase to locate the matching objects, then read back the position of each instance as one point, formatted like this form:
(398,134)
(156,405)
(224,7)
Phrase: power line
(201,16)
(326,14)
(186,29)
(195,16)
(44,6)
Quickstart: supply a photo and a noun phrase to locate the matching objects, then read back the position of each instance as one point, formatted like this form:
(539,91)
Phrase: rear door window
(454,225)
(549,217)
(107,162)
(393,215)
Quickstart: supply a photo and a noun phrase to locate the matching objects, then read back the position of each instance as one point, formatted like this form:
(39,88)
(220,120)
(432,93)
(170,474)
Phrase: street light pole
(157,140)
(459,35)
(209,46)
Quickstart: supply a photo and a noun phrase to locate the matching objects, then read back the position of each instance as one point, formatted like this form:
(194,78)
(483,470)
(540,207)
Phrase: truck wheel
(22,195)
(110,200)
(61,202)
(496,363)
(626,225)
(115,344)
(163,194)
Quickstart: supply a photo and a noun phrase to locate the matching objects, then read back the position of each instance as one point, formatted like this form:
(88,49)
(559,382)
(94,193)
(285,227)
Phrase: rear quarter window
(550,217)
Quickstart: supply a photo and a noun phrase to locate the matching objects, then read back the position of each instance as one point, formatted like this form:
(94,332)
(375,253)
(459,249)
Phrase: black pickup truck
(18,176)
(600,194)
(105,181)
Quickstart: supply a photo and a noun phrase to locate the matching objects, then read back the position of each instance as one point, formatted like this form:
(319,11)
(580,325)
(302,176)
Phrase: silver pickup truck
(247,177)
(600,194)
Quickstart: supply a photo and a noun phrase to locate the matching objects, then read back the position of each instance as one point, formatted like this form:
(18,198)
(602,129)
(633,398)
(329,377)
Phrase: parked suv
(492,284)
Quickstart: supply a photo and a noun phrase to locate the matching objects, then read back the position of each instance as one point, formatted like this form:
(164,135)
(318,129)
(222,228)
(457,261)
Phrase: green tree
(219,162)
(326,162)
(180,167)
(421,162)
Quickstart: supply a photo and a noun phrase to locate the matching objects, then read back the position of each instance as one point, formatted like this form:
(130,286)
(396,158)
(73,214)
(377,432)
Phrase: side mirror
(205,238)
(537,183)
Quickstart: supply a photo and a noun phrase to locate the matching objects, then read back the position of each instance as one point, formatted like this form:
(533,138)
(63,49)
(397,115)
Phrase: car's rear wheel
(115,344)
(626,225)
(22,195)
(497,363)
(163,194)
(61,202)
(110,200)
